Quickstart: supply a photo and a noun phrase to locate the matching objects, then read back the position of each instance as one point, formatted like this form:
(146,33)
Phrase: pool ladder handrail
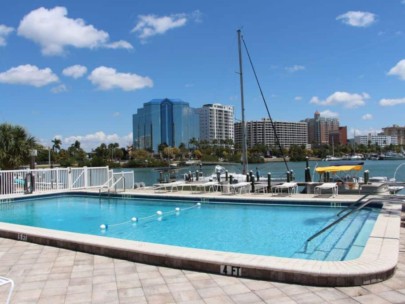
(340,218)
(351,206)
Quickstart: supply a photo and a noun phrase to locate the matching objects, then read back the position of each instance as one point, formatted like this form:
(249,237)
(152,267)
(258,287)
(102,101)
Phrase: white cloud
(357,132)
(92,141)
(367,116)
(348,100)
(4,32)
(298,98)
(106,78)
(329,114)
(28,75)
(54,31)
(391,102)
(151,25)
(196,16)
(122,44)
(295,68)
(398,70)
(116,114)
(59,89)
(357,19)
(75,71)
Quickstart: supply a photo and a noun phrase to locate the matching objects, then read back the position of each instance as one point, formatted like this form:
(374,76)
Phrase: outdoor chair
(5,281)
(327,186)
(290,187)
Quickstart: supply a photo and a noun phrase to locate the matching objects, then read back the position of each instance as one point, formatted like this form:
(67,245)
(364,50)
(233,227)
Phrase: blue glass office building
(165,121)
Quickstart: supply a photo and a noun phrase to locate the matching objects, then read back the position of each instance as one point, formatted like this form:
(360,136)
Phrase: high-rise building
(396,131)
(261,132)
(164,121)
(319,129)
(379,140)
(338,137)
(343,135)
(216,122)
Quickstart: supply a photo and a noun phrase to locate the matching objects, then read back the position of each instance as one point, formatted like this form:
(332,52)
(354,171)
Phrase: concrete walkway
(51,275)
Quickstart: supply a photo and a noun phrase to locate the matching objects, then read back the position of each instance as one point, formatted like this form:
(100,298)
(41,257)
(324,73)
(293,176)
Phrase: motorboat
(345,174)
(332,158)
(392,156)
(355,157)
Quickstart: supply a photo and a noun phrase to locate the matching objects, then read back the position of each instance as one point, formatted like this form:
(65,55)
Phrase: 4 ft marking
(229,270)
(22,237)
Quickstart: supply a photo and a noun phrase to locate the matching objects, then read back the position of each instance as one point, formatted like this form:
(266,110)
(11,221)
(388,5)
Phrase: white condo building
(216,122)
(261,132)
(379,140)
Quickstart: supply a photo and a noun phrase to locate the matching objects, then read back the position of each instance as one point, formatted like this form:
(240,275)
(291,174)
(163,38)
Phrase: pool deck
(46,274)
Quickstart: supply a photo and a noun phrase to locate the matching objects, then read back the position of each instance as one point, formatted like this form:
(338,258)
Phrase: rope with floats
(159,214)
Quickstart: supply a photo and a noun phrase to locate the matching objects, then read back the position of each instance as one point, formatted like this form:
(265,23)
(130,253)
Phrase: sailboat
(242,100)
(219,170)
(244,144)
(332,157)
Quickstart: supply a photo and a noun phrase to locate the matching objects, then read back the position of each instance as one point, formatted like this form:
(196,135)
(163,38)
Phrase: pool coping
(377,262)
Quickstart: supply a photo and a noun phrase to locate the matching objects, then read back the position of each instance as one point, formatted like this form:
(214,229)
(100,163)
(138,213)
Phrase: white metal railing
(45,180)
(119,180)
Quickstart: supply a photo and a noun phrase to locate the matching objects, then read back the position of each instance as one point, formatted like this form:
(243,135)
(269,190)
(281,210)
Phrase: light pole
(49,156)
(33,154)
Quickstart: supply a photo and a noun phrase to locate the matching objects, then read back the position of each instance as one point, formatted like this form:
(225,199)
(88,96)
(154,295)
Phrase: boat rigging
(244,145)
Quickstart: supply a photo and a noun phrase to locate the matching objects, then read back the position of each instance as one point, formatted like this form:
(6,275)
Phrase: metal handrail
(336,221)
(106,184)
(353,204)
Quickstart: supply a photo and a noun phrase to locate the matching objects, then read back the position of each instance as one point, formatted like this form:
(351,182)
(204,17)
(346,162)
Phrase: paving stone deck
(45,274)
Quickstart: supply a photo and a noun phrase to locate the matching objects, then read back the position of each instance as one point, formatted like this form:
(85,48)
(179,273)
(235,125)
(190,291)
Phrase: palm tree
(15,146)
(56,144)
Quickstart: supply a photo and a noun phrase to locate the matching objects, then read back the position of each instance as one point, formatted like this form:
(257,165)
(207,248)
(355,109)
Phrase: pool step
(332,246)
(357,246)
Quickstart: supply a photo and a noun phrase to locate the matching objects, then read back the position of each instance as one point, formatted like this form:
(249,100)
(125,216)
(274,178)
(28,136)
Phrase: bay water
(388,168)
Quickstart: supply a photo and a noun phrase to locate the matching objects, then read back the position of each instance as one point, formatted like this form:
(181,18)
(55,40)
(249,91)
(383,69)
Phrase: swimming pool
(376,263)
(261,229)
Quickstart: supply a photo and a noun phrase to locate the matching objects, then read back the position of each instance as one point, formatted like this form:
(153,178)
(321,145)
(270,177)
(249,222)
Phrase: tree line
(16,146)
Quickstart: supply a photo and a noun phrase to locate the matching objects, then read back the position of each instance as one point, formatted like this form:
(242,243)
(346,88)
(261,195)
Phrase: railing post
(269,182)
(366,176)
(57,178)
(85,177)
(70,181)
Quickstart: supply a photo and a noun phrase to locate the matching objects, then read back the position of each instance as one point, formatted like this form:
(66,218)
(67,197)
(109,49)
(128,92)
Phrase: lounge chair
(5,281)
(238,188)
(168,187)
(327,186)
(203,187)
(291,188)
(261,188)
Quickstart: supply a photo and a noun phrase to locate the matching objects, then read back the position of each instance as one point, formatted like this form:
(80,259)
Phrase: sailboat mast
(244,146)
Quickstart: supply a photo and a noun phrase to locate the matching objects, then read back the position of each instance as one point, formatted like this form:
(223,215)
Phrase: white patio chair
(291,187)
(327,186)
(5,281)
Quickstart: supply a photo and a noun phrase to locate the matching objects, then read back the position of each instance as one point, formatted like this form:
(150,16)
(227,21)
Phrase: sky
(78,70)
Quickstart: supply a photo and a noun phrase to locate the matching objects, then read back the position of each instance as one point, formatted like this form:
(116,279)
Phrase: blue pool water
(274,230)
